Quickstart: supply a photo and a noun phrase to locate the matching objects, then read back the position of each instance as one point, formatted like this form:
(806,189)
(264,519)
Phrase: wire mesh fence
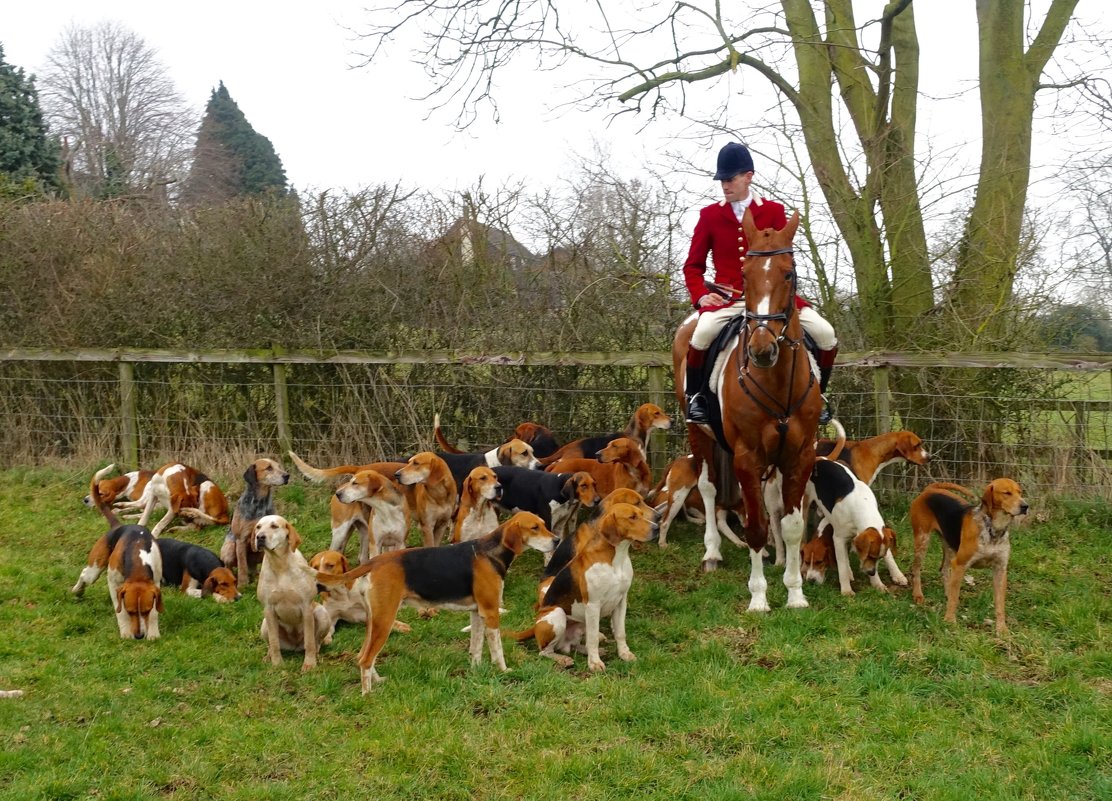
(1045,426)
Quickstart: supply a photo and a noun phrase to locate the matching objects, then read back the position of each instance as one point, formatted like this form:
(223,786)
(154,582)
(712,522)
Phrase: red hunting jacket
(718,234)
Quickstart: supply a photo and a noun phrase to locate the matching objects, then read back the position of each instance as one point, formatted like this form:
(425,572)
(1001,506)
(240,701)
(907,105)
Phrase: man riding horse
(718,233)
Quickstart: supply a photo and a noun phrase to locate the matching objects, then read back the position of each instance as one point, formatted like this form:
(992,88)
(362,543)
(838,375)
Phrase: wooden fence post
(129,425)
(883,416)
(282,408)
(658,457)
(880,395)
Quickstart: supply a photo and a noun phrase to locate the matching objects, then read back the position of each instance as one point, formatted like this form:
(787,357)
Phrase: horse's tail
(839,444)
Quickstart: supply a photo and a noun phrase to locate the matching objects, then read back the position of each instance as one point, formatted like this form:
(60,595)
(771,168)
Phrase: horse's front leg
(774,508)
(792,527)
(756,529)
(712,540)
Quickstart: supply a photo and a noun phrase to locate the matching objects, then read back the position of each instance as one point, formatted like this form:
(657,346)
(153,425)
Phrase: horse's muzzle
(765,356)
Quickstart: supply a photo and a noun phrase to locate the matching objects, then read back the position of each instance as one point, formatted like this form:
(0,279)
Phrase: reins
(789,406)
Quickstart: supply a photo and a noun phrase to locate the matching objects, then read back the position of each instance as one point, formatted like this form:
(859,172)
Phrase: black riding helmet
(733,159)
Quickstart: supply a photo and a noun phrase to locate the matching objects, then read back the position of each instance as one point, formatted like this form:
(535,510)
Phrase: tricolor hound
(973,535)
(134,563)
(465,576)
(478,505)
(648,418)
(592,586)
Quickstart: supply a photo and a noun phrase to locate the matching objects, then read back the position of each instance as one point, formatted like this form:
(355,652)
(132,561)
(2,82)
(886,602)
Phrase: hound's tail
(839,444)
(320,474)
(441,440)
(98,501)
(955,488)
(525,634)
(332,579)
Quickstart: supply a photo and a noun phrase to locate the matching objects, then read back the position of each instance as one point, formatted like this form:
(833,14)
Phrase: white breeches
(711,322)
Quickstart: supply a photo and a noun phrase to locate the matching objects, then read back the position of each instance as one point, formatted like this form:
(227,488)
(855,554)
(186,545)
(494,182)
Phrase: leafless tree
(127,128)
(852,87)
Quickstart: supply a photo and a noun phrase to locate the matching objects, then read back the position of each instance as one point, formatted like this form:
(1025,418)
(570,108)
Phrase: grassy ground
(855,698)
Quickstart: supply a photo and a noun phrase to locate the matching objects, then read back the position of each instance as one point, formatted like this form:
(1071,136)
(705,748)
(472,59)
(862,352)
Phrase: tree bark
(985,272)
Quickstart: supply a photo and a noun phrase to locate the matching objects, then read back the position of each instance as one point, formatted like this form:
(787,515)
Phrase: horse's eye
(789,275)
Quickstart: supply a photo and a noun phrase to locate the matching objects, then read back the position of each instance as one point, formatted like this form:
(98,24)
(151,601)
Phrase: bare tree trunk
(986,267)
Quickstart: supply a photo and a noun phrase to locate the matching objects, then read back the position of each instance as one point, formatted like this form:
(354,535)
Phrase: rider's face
(737,188)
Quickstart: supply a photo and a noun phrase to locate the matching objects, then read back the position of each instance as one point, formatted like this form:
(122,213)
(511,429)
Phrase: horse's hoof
(710,565)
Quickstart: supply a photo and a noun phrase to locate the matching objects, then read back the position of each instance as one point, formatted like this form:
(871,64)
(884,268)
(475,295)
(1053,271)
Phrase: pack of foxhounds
(583,505)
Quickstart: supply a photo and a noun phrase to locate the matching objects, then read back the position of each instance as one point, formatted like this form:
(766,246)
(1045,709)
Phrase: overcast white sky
(288,66)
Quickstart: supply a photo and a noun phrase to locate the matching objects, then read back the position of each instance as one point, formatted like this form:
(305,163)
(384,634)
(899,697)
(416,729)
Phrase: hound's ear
(250,476)
(293,537)
(608,528)
(208,587)
(468,487)
(568,491)
(890,540)
(119,600)
(867,543)
(988,500)
(344,563)
(158,601)
(316,560)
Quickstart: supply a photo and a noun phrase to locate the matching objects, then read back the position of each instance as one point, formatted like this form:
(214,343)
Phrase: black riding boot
(825,359)
(694,388)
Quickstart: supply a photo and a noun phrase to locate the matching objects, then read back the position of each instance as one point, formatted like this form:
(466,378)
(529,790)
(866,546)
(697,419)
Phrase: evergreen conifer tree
(29,161)
(231,158)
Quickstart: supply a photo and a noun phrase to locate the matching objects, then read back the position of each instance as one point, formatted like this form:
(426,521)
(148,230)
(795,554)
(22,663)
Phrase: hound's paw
(627,655)
(848,593)
(900,580)
(596,665)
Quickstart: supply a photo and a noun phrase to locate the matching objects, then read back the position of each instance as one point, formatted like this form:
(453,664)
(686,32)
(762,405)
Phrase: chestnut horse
(770,406)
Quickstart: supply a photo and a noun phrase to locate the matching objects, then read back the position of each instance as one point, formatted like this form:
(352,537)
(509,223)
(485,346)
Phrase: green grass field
(855,698)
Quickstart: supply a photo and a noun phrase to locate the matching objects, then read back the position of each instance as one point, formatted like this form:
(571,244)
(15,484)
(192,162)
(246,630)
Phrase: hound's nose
(1023,508)
(140,636)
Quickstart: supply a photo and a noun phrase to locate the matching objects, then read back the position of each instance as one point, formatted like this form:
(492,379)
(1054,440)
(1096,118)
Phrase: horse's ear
(748,227)
(790,227)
